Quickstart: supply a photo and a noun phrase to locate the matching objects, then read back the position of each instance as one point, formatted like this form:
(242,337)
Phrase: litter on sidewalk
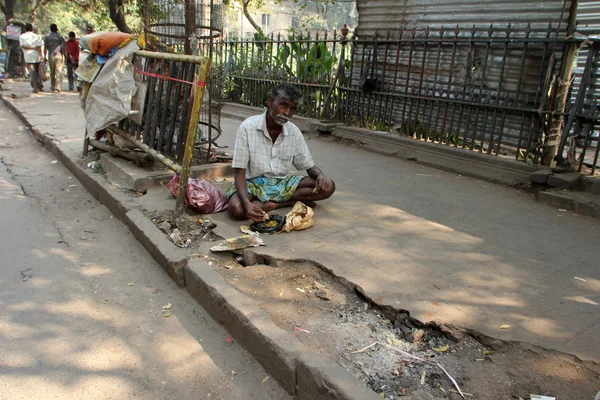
(301,217)
(240,242)
(200,195)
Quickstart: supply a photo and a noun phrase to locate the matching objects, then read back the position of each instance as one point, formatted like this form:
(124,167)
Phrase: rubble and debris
(418,336)
(165,226)
(178,240)
(26,274)
(323,294)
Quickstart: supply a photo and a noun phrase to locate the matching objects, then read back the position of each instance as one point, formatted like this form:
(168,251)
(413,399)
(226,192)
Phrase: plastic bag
(109,98)
(301,217)
(44,71)
(103,42)
(200,195)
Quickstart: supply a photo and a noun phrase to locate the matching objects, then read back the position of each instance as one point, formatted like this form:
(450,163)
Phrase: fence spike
(442,31)
(528,29)
(456,31)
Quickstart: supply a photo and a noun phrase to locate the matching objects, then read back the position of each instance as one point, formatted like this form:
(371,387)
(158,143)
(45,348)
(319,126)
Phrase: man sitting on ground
(266,148)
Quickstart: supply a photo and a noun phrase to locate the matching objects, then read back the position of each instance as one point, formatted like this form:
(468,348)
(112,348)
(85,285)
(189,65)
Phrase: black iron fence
(487,91)
(495,91)
(314,62)
(579,139)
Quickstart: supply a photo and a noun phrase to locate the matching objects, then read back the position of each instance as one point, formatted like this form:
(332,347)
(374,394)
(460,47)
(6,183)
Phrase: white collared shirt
(256,152)
(30,39)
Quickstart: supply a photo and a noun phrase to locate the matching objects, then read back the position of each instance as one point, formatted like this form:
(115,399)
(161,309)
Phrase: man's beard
(279,119)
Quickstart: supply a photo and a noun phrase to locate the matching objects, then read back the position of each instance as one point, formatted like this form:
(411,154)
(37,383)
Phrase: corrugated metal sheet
(588,18)
(405,14)
(503,73)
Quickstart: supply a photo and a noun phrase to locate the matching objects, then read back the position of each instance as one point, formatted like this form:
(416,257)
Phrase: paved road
(81,300)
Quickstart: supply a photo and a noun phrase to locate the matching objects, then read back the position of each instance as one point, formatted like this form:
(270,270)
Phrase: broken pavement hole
(342,327)
(484,367)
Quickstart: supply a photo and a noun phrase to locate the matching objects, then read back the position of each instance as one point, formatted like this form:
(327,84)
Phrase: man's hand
(254,212)
(323,184)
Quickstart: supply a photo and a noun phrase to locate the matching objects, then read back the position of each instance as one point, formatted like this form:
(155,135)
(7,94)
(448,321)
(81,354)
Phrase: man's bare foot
(268,206)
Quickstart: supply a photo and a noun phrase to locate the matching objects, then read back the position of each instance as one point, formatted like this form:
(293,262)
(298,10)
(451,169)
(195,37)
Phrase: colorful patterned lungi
(270,189)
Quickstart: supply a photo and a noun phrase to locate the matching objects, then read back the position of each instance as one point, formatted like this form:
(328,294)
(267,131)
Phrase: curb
(130,177)
(302,373)
(579,202)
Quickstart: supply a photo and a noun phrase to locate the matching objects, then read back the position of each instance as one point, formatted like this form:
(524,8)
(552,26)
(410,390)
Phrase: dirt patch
(404,359)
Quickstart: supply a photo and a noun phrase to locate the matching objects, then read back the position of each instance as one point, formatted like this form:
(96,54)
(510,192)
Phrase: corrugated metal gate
(489,82)
(481,90)
(375,15)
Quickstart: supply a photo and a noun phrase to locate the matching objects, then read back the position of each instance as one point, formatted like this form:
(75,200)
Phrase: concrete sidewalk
(442,246)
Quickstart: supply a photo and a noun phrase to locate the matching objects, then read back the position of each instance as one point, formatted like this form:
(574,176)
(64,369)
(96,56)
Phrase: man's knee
(236,210)
(330,192)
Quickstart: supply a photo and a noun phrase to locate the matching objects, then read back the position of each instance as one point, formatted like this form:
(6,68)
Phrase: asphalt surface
(81,301)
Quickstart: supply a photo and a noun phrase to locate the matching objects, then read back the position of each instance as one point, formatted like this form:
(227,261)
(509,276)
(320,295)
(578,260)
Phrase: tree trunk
(8,9)
(14,61)
(250,19)
(117,15)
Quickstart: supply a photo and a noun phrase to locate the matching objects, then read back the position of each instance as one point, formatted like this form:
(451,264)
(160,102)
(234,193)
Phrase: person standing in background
(54,52)
(32,50)
(72,59)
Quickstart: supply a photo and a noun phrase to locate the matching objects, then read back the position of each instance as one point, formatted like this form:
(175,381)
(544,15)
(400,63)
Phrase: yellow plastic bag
(301,217)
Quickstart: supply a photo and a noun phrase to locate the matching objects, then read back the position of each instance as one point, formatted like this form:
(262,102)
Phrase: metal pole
(190,140)
(168,163)
(190,24)
(564,82)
